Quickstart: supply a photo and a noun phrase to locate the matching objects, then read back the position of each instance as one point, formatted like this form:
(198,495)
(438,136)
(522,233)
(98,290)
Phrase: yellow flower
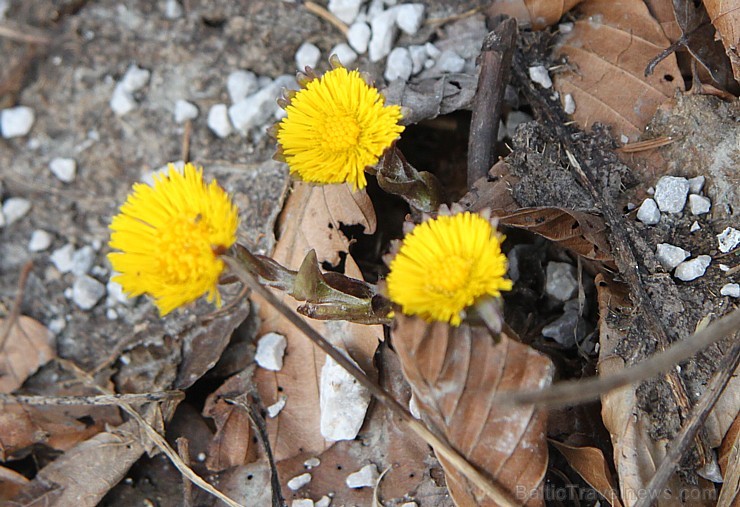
(170,237)
(445,265)
(335,127)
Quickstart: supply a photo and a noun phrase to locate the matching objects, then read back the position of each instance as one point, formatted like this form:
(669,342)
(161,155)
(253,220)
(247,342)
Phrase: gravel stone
(730,289)
(87,291)
(358,37)
(324,501)
(696,184)
(62,258)
(570,105)
(270,351)
(40,241)
(15,208)
(240,84)
(648,213)
(312,463)
(699,205)
(728,239)
(83,260)
(299,481)
(567,330)
(345,53)
(302,502)
(277,407)
(345,10)
(65,169)
(308,55)
(414,407)
(172,9)
(384,31)
(16,121)
(218,120)
(432,50)
(539,75)
(671,193)
(399,65)
(562,283)
(185,111)
(671,256)
(449,61)
(565,27)
(134,79)
(258,109)
(116,294)
(122,102)
(343,403)
(366,477)
(695,226)
(418,57)
(693,269)
(409,17)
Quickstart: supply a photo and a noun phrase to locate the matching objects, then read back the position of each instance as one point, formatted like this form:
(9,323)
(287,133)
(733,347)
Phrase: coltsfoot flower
(170,236)
(335,127)
(447,264)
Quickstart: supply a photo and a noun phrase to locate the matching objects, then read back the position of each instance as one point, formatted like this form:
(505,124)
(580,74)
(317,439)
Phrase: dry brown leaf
(538,13)
(609,48)
(311,219)
(725,16)
(454,374)
(662,11)
(729,462)
(11,483)
(28,347)
(592,466)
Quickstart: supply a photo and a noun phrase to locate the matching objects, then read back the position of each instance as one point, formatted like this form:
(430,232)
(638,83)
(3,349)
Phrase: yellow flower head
(445,265)
(170,237)
(335,127)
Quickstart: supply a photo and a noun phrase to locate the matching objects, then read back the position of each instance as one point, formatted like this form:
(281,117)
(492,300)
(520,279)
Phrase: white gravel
(570,105)
(696,184)
(65,169)
(218,120)
(185,111)
(62,258)
(299,481)
(16,121)
(399,65)
(693,269)
(561,282)
(409,17)
(539,75)
(730,289)
(449,61)
(277,407)
(695,226)
(345,10)
(308,55)
(15,208)
(671,256)
(384,32)
(87,291)
(240,84)
(648,213)
(83,260)
(358,37)
(366,477)
(40,241)
(671,193)
(728,239)
(122,102)
(699,205)
(343,403)
(270,351)
(345,53)
(134,79)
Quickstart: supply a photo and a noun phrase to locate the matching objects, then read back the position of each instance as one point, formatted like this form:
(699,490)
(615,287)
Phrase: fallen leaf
(609,48)
(729,462)
(725,16)
(592,466)
(311,219)
(454,374)
(537,13)
(28,346)
(11,483)
(662,11)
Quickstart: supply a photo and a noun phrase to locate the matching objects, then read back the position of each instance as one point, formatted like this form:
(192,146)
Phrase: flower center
(185,251)
(339,132)
(452,275)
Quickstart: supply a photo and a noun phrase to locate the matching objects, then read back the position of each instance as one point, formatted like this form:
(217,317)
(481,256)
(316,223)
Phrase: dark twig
(15,312)
(495,64)
(683,440)
(103,399)
(183,450)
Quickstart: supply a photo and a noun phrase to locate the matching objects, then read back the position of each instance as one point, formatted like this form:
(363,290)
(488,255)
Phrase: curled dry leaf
(725,16)
(591,464)
(11,483)
(537,13)
(608,50)
(454,374)
(28,346)
(729,462)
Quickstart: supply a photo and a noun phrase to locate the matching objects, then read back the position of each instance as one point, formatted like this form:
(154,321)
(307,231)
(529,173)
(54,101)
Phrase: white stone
(358,37)
(539,75)
(308,55)
(345,10)
(696,184)
(312,463)
(409,504)
(699,205)
(671,193)
(343,403)
(693,269)
(302,502)
(111,314)
(567,330)
(671,256)
(399,65)
(87,291)
(624,139)
(384,31)
(62,258)
(648,213)
(409,17)
(270,351)
(562,283)
(730,289)
(40,241)
(724,268)
(134,79)
(65,169)
(414,407)
(366,477)
(299,481)
(565,27)
(218,120)
(172,9)
(432,50)
(277,407)
(449,61)
(240,84)
(345,53)
(122,102)
(57,325)
(15,208)
(570,104)
(324,501)
(185,111)
(116,294)
(728,239)
(418,57)
(4,6)
(82,260)
(259,109)
(651,190)
(695,226)
(16,121)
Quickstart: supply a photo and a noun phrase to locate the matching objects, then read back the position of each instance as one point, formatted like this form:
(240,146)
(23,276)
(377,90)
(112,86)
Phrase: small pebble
(16,121)
(693,269)
(651,190)
(270,351)
(87,291)
(299,481)
(358,37)
(134,79)
(62,258)
(565,27)
(384,31)
(111,314)
(399,65)
(324,501)
(724,268)
(2,218)
(218,120)
(240,84)
(539,75)
(116,294)
(671,256)
(15,208)
(345,10)
(730,289)
(366,477)
(562,283)
(418,57)
(122,102)
(82,260)
(409,17)
(312,462)
(699,205)
(57,325)
(570,104)
(567,330)
(695,226)
(172,9)
(308,55)
(432,50)
(40,241)
(65,169)
(648,213)
(696,184)
(413,407)
(671,193)
(449,61)
(345,53)
(185,111)
(624,139)
(277,407)
(302,502)
(343,403)
(728,239)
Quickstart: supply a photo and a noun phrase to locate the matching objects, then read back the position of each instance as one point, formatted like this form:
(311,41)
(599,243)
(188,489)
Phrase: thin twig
(581,391)
(321,12)
(103,399)
(12,318)
(185,147)
(183,450)
(24,33)
(454,17)
(495,491)
(683,440)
